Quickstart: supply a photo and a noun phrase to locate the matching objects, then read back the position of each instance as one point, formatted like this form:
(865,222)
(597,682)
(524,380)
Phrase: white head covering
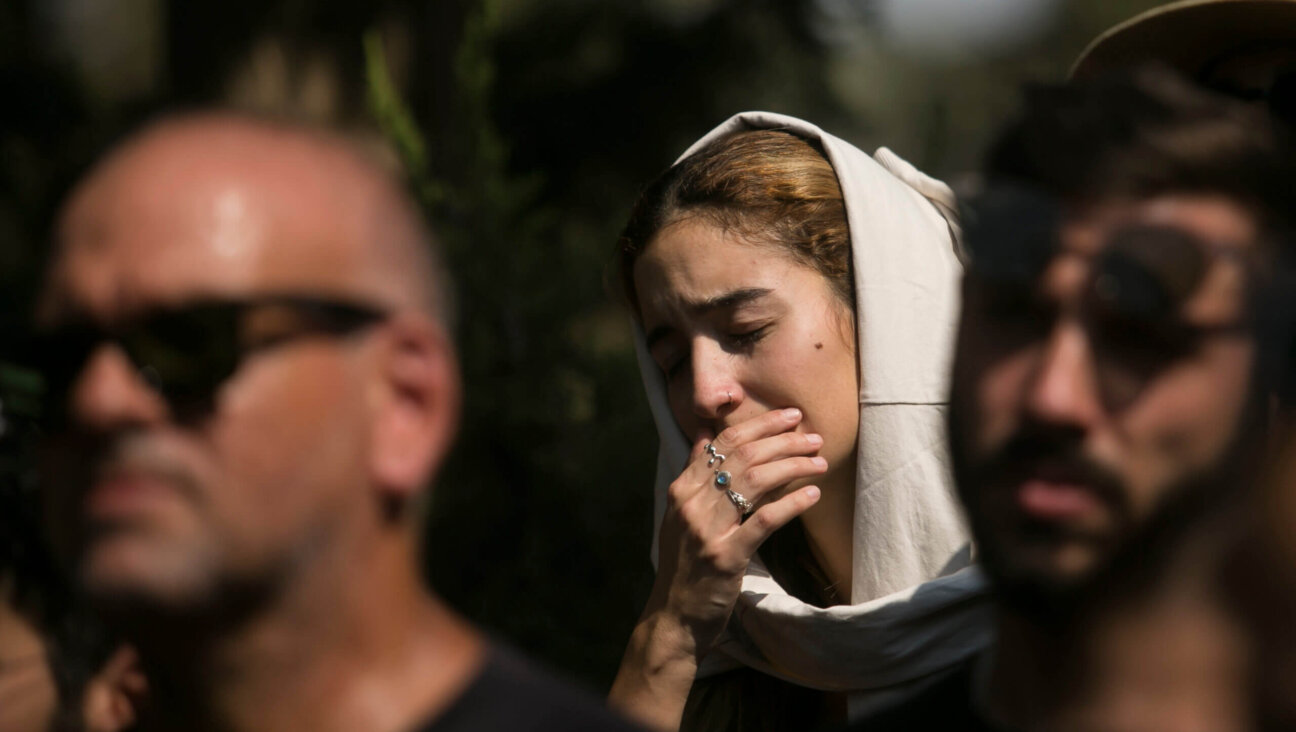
(917,607)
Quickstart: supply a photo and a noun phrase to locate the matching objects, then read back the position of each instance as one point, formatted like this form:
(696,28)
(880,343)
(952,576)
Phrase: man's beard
(1132,545)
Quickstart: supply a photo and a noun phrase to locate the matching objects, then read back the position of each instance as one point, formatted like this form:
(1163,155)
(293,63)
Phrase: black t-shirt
(945,705)
(510,694)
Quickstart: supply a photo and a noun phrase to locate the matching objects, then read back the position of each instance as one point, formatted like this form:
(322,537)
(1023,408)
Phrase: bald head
(265,379)
(216,204)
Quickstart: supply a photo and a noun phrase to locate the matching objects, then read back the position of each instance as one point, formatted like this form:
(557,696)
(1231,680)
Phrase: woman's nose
(716,389)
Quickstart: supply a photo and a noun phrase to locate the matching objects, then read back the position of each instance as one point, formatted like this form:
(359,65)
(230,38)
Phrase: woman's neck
(830,529)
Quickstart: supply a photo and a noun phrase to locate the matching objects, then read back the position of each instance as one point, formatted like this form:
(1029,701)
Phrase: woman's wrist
(667,642)
(657,671)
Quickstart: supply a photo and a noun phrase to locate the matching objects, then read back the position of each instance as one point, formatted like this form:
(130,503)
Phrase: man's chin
(129,574)
(1046,583)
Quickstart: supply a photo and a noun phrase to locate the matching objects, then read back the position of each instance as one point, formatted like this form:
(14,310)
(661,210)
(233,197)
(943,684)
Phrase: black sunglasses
(186,352)
(1132,307)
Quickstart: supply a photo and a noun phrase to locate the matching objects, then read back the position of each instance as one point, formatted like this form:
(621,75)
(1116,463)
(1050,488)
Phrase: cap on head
(1189,35)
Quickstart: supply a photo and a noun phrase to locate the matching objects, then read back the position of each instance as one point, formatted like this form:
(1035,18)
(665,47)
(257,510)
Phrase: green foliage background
(526,127)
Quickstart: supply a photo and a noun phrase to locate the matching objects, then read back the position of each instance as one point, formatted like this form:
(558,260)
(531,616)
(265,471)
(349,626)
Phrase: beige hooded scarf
(917,607)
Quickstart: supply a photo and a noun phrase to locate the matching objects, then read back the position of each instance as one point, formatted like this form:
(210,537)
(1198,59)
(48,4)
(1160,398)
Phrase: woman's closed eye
(744,337)
(674,361)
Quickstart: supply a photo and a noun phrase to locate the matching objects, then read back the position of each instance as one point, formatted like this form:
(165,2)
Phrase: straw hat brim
(1188,34)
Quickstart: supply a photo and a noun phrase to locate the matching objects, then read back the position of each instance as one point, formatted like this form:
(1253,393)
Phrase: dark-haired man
(1105,401)
(244,333)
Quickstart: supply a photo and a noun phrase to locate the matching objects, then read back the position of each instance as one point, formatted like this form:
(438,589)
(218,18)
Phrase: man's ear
(416,407)
(114,697)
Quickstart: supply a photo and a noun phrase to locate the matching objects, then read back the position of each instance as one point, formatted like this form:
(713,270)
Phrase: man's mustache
(1036,453)
(134,454)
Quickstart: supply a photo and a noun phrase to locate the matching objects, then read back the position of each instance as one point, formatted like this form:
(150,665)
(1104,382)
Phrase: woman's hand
(704,549)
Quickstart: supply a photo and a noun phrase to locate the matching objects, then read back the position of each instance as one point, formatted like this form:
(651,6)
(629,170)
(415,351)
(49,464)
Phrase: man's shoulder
(510,693)
(944,704)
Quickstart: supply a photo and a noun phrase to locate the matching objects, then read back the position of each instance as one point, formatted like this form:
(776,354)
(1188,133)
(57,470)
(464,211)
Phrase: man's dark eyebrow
(719,302)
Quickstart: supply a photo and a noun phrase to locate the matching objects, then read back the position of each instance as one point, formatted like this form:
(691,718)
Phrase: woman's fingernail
(819,462)
(814,439)
(812,492)
(791,413)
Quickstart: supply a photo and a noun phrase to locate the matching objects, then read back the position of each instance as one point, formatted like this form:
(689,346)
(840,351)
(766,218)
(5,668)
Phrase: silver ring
(715,456)
(739,500)
(723,479)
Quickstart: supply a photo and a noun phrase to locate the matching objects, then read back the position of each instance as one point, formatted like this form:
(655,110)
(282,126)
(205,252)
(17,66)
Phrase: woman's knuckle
(763,520)
(727,438)
(677,492)
(712,552)
(688,512)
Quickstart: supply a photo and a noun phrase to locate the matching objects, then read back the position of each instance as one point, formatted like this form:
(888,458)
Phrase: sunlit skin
(28,696)
(282,493)
(759,358)
(1181,423)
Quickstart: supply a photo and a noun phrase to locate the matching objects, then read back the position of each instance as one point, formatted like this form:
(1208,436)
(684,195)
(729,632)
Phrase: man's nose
(716,389)
(109,394)
(1064,389)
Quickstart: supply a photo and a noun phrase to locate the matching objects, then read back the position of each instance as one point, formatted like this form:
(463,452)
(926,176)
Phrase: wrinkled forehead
(182,219)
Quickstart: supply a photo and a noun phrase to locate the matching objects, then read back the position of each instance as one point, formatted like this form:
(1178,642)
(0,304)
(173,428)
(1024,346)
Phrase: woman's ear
(417,406)
(115,695)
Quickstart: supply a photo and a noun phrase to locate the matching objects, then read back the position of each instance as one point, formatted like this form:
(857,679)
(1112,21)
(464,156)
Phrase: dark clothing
(510,694)
(945,705)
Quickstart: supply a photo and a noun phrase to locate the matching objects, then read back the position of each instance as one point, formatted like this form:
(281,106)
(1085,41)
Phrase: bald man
(243,333)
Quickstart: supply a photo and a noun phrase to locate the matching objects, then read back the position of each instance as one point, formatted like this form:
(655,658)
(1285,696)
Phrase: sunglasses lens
(186,354)
(1139,287)
(1148,273)
(56,359)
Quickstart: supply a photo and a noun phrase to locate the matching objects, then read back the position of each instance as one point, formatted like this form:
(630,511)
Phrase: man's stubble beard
(1141,546)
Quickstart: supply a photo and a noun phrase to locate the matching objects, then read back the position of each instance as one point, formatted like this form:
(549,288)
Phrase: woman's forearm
(657,671)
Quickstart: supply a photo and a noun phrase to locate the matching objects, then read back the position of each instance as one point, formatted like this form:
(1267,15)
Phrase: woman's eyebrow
(730,299)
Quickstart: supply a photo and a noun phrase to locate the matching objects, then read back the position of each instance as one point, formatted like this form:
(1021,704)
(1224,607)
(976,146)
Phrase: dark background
(527,128)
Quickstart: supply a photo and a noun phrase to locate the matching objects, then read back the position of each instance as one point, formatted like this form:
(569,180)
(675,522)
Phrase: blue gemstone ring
(723,479)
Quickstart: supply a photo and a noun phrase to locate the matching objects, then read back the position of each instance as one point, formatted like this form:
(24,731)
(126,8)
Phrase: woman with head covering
(796,301)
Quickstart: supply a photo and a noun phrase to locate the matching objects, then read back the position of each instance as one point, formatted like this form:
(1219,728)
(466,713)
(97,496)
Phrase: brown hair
(768,186)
